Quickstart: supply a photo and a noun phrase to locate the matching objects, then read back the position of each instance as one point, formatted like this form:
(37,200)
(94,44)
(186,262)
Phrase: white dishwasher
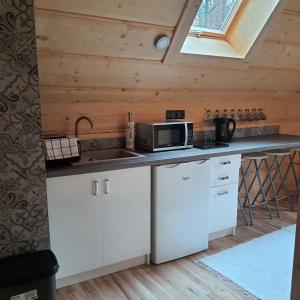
(179,210)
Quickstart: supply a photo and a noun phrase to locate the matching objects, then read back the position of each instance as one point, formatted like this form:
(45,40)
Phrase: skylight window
(215,16)
(224,28)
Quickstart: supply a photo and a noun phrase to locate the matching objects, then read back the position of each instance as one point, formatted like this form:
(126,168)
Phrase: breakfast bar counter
(238,146)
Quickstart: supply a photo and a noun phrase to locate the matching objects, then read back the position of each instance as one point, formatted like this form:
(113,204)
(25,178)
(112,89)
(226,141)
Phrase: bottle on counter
(130,132)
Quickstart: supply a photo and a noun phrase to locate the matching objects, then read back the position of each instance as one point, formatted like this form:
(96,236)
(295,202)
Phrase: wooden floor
(179,279)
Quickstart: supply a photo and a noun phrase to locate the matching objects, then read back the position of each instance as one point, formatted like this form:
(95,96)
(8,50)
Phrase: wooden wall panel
(59,32)
(279,55)
(287,30)
(294,5)
(108,108)
(75,71)
(164,12)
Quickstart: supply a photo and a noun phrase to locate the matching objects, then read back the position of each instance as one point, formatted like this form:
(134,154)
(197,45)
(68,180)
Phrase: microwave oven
(164,136)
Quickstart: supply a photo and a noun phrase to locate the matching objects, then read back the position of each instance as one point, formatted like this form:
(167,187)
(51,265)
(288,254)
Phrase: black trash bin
(28,276)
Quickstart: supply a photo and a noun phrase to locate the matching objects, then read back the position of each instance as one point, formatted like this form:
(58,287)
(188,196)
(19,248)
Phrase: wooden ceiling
(90,43)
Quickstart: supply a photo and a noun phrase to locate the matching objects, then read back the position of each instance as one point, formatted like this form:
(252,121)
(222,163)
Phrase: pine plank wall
(97,58)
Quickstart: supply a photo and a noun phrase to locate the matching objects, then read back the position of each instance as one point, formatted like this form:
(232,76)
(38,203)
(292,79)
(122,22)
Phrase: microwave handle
(186,134)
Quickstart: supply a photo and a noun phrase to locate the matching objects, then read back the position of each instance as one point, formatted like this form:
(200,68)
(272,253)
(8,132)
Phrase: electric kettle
(223,132)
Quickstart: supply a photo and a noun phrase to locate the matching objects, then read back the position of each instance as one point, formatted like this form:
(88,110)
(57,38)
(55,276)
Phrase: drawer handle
(224,163)
(202,161)
(222,193)
(185,178)
(224,178)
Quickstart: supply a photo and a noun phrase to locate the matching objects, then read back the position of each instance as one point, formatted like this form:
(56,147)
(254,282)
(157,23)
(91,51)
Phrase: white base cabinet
(223,208)
(99,219)
(126,214)
(223,199)
(75,223)
(180,206)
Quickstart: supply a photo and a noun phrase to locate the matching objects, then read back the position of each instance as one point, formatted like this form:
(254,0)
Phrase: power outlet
(175,114)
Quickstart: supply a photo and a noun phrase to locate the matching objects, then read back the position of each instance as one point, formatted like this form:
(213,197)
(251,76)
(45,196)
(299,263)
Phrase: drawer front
(225,170)
(223,207)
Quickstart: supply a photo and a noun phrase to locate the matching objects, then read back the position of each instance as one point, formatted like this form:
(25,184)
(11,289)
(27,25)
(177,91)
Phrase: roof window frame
(226,27)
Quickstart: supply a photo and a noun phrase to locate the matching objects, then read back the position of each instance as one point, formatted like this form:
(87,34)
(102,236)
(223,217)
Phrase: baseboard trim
(221,233)
(62,282)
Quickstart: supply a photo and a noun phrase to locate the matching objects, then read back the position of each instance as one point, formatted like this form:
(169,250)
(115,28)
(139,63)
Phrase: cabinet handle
(202,161)
(185,178)
(222,193)
(224,163)
(107,186)
(171,166)
(96,188)
(224,178)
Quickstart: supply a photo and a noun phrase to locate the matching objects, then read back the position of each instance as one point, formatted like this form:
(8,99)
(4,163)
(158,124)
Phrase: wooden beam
(182,28)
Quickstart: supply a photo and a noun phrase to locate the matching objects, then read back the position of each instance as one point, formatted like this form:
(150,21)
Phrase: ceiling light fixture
(162,42)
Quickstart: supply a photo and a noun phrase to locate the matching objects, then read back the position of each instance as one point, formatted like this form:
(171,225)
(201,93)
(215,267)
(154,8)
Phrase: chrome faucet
(77,124)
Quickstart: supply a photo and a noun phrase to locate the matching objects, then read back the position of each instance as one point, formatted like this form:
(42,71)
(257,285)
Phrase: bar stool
(279,178)
(257,159)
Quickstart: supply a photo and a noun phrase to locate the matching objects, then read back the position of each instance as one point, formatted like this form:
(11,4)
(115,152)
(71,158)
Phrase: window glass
(213,14)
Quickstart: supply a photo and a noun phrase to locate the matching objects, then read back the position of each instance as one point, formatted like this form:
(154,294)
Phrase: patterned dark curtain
(23,201)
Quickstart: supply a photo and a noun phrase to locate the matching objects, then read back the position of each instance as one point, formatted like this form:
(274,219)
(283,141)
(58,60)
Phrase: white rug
(262,267)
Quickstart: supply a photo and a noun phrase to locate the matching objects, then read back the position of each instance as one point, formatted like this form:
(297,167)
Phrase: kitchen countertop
(238,146)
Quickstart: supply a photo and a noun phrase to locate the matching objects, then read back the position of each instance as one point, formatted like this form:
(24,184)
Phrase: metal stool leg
(253,181)
(297,178)
(264,183)
(239,199)
(279,157)
(296,195)
(283,181)
(258,161)
(244,181)
(269,170)
(248,198)
(243,211)
(292,166)
(265,201)
(269,175)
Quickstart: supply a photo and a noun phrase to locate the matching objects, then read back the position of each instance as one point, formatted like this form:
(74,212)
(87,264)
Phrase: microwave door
(169,136)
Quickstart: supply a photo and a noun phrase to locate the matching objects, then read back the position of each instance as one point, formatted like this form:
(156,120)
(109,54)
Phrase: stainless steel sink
(107,155)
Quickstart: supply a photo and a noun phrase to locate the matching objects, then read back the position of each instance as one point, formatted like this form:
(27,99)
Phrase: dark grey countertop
(238,146)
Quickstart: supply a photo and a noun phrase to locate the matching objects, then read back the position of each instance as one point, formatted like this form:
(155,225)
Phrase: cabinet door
(180,210)
(223,207)
(126,214)
(75,223)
